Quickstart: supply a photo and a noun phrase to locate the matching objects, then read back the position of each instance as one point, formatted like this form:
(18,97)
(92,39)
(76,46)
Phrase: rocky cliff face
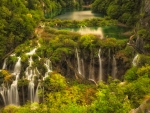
(145,9)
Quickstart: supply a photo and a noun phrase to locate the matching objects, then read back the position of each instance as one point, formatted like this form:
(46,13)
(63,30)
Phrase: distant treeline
(126,11)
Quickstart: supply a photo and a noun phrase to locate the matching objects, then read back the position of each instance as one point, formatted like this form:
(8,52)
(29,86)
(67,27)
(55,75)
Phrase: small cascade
(48,65)
(31,52)
(78,62)
(135,60)
(30,61)
(29,76)
(100,77)
(31,91)
(13,91)
(5,63)
(17,68)
(114,68)
(3,92)
(36,98)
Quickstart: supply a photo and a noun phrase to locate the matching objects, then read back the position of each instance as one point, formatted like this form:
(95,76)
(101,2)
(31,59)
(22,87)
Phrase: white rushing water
(13,96)
(100,77)
(80,64)
(135,60)
(5,63)
(86,30)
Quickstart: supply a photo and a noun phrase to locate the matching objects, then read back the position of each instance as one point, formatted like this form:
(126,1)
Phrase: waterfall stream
(13,91)
(114,68)
(80,64)
(135,60)
(100,77)
(5,63)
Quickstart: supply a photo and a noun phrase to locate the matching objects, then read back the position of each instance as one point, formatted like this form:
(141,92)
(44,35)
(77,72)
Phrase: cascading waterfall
(31,52)
(78,62)
(30,74)
(3,92)
(100,77)
(135,60)
(48,65)
(5,63)
(114,68)
(36,98)
(91,72)
(13,91)
(31,91)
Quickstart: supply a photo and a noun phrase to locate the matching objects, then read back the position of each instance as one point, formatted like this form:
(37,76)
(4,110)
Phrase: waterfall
(3,92)
(13,91)
(100,77)
(48,65)
(5,63)
(14,96)
(78,62)
(17,68)
(91,72)
(36,98)
(114,68)
(32,52)
(135,60)
(31,91)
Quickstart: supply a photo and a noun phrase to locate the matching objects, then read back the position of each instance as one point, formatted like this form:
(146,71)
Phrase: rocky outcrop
(143,108)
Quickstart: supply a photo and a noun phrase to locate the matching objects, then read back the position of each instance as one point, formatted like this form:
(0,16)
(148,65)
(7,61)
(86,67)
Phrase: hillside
(46,68)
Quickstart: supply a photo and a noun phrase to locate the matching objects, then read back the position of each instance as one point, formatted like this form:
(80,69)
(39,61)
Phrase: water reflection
(78,15)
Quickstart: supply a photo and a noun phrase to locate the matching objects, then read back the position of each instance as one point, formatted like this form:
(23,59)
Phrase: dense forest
(57,71)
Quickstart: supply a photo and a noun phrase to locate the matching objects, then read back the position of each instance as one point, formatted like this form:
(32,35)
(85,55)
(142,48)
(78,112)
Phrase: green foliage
(95,22)
(88,41)
(144,70)
(55,82)
(143,60)
(131,75)
(127,12)
(137,90)
(110,99)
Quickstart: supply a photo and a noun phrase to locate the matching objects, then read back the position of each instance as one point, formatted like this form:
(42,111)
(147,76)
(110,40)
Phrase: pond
(78,15)
(105,31)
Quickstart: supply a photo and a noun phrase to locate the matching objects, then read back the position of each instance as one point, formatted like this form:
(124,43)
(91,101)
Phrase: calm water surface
(106,31)
(78,15)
